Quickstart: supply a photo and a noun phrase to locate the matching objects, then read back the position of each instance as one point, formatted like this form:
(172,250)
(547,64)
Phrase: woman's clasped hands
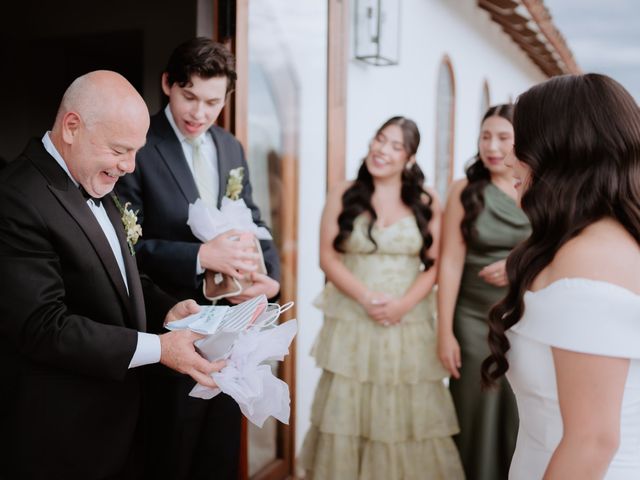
(383,308)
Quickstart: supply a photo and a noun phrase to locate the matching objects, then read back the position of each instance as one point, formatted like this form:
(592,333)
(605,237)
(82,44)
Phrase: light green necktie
(203,173)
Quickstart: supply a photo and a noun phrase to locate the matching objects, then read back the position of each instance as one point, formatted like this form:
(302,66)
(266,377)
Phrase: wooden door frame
(337,65)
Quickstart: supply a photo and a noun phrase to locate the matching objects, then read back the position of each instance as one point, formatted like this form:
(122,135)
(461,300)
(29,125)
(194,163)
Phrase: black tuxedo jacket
(161,189)
(68,402)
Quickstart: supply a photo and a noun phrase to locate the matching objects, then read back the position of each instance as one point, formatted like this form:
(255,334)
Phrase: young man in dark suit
(72,312)
(187,157)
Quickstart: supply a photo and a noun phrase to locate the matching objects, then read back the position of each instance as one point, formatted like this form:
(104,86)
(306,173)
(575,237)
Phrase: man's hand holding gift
(232,253)
(178,351)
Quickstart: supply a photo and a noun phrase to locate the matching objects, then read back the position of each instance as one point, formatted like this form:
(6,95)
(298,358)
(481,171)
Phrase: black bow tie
(96,201)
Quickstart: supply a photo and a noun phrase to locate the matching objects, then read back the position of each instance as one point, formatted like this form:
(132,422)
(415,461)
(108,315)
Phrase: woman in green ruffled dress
(381,410)
(481,225)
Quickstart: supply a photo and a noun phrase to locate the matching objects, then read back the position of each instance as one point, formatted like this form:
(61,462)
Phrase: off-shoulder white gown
(579,315)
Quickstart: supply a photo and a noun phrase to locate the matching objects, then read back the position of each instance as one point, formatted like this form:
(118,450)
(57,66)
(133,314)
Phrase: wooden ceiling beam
(530,26)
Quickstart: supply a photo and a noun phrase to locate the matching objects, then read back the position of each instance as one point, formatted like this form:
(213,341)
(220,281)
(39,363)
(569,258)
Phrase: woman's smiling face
(387,153)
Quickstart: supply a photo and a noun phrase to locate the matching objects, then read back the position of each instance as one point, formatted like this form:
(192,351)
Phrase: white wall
(477,48)
(430,29)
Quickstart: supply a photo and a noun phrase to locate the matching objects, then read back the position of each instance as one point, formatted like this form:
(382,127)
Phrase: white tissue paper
(206,223)
(248,381)
(245,336)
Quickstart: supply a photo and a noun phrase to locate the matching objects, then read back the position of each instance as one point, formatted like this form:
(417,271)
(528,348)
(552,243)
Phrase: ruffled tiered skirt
(381,410)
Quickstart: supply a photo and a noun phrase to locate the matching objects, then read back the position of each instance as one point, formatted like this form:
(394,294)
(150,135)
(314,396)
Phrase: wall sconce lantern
(377,31)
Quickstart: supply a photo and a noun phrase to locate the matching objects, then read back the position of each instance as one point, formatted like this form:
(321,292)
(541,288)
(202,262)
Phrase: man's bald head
(102,95)
(101,123)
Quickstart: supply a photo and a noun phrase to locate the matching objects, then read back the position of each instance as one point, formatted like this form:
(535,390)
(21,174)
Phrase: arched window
(445,110)
(485,100)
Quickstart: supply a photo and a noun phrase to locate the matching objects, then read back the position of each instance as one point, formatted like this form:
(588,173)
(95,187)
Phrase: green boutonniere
(234,183)
(130,222)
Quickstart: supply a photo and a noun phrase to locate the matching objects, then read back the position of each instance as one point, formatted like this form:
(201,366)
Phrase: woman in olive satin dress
(481,225)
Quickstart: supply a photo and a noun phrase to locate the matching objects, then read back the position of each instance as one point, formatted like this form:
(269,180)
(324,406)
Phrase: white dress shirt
(148,347)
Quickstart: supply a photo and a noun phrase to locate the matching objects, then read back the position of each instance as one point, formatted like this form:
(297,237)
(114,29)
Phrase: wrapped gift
(208,223)
(246,336)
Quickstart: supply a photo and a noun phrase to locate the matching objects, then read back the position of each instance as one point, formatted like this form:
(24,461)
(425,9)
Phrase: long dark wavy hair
(357,198)
(580,136)
(478,177)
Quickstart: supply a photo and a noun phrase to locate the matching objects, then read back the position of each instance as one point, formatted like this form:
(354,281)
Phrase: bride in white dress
(568,332)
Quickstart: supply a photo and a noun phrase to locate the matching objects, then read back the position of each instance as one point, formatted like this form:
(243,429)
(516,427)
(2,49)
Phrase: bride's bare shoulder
(604,251)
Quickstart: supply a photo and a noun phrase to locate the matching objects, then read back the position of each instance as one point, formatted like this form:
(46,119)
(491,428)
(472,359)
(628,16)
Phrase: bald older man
(72,313)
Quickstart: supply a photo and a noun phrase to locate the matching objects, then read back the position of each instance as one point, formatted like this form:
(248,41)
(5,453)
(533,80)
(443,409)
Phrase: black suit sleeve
(35,318)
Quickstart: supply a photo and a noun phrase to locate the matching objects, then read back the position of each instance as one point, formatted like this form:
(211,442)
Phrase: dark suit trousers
(189,438)
(134,464)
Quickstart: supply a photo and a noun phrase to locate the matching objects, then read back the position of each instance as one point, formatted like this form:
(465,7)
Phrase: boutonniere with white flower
(130,222)
(234,183)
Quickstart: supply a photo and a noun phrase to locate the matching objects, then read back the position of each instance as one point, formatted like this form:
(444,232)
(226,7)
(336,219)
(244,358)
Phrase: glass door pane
(271,154)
